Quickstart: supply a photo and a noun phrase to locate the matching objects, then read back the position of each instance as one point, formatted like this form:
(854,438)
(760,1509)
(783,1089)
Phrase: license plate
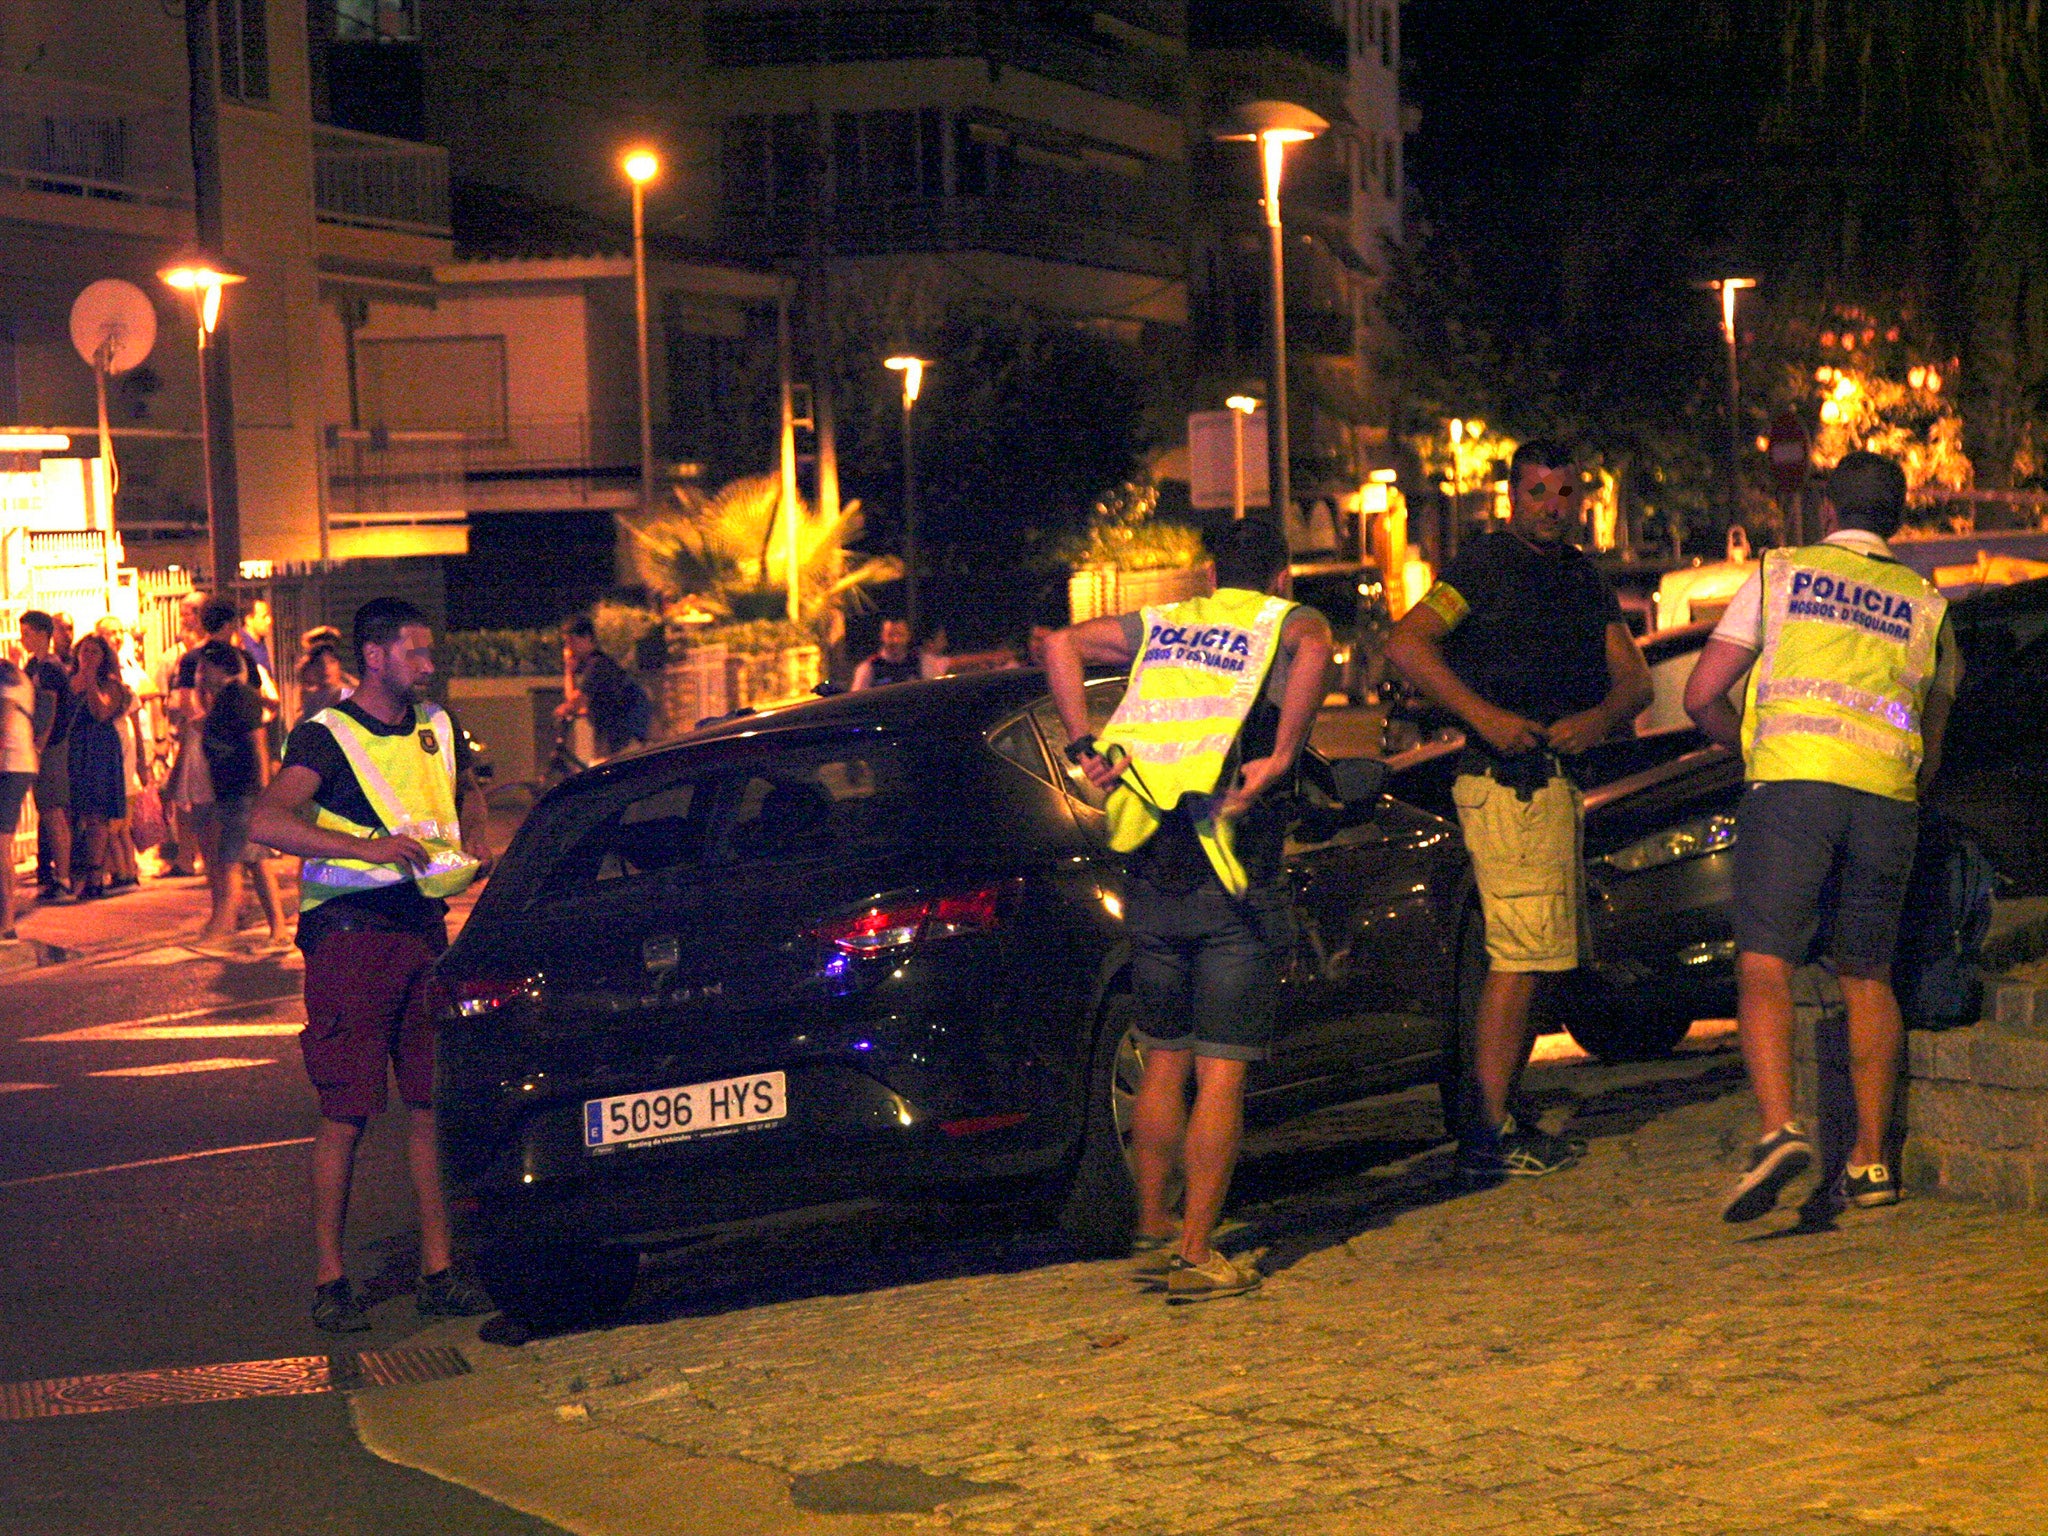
(685,1114)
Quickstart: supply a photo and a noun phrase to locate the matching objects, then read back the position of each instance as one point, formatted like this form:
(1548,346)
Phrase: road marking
(184,954)
(23,1087)
(154,1162)
(293,1376)
(173,1068)
(171,1026)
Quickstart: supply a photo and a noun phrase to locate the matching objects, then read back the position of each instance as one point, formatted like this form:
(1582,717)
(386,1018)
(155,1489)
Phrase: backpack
(639,712)
(1942,929)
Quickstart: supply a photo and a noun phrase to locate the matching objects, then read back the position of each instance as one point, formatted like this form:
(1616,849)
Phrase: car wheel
(1100,1208)
(558,1287)
(1626,1034)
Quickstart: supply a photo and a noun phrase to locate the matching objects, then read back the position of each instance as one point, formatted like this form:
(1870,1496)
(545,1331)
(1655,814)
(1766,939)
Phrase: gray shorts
(231,816)
(1206,967)
(1816,860)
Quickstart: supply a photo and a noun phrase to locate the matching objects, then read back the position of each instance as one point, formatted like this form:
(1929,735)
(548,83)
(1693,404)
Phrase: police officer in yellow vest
(1222,692)
(1851,670)
(368,799)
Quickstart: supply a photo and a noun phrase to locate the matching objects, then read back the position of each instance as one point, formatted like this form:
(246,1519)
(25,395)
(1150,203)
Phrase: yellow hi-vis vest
(1848,656)
(1200,669)
(409,781)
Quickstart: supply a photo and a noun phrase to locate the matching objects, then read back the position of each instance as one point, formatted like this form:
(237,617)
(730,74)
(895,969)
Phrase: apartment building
(1060,156)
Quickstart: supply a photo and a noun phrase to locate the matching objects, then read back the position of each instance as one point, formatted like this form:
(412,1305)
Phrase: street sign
(1789,451)
(1213,448)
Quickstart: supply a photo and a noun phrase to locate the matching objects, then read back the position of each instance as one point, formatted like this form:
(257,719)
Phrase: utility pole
(217,380)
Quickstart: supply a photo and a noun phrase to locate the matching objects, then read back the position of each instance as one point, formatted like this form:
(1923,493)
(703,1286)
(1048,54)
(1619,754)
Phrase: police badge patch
(427,743)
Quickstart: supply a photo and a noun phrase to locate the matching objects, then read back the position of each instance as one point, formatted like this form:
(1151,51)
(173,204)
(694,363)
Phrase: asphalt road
(187,1260)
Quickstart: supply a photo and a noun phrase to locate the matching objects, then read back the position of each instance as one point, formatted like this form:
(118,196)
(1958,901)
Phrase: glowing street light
(1273,125)
(641,166)
(1240,407)
(204,279)
(1728,288)
(912,368)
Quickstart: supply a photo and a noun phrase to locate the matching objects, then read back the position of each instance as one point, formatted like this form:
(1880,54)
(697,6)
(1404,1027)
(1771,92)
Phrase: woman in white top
(17,769)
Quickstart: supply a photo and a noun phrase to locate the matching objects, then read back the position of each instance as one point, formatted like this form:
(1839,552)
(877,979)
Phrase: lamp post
(912,369)
(1240,406)
(641,166)
(204,279)
(1273,125)
(1728,288)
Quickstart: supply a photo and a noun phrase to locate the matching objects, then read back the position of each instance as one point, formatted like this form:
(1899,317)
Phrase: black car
(873,945)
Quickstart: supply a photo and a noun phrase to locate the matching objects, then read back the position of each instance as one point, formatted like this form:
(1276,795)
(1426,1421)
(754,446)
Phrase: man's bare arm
(1721,666)
(1306,642)
(1628,691)
(1416,649)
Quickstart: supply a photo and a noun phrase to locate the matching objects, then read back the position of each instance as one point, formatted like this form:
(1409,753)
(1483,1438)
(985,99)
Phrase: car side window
(1103,698)
(1016,741)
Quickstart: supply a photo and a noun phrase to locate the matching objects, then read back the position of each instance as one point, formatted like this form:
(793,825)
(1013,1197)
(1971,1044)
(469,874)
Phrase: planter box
(1092,594)
(692,689)
(772,677)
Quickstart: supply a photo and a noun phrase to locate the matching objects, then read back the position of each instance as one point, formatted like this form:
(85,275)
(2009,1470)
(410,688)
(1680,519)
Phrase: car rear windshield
(783,804)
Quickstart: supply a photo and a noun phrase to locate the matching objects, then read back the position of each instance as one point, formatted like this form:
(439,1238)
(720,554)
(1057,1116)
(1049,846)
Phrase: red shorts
(371,998)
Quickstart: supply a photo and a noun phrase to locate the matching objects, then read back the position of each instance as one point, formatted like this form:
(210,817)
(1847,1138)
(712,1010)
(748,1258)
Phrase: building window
(375,21)
(891,156)
(242,30)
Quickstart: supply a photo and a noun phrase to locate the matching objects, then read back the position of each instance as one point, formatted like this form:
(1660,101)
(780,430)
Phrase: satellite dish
(113,324)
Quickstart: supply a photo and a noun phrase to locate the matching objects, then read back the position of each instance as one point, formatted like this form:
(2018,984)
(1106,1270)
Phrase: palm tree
(726,552)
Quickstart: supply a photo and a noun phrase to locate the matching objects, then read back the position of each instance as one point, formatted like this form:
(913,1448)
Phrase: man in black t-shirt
(602,689)
(1522,639)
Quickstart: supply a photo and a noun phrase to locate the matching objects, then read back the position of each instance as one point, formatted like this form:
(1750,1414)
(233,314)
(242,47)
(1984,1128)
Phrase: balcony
(1073,231)
(748,36)
(393,493)
(93,142)
(368,181)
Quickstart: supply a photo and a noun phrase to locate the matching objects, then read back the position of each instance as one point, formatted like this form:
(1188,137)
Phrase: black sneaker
(1774,1164)
(336,1309)
(1530,1151)
(451,1294)
(1867,1187)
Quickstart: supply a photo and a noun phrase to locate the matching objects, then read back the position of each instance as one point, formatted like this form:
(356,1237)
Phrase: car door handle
(662,952)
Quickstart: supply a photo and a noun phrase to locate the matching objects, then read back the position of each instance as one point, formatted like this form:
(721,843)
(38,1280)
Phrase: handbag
(146,826)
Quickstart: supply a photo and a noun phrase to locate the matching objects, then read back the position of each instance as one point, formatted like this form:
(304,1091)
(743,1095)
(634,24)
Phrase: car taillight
(476,996)
(891,925)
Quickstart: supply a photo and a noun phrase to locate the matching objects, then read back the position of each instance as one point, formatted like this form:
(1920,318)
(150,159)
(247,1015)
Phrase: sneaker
(1213,1277)
(451,1294)
(1152,1257)
(1485,1157)
(1867,1187)
(336,1308)
(1774,1164)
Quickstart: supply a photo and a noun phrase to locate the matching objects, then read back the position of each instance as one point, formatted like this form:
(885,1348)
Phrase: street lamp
(641,166)
(1274,125)
(204,279)
(1240,406)
(1728,288)
(912,369)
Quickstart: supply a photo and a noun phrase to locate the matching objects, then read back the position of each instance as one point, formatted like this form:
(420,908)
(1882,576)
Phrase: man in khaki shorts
(1522,640)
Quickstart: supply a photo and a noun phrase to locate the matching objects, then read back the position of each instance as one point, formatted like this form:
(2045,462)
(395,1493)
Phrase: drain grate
(295,1376)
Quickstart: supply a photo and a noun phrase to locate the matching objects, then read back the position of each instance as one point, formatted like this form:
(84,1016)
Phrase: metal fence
(379,183)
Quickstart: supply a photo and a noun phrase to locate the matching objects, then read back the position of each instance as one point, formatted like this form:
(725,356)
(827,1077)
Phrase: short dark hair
(1248,554)
(39,621)
(1869,492)
(580,627)
(1544,453)
(218,613)
(222,657)
(379,621)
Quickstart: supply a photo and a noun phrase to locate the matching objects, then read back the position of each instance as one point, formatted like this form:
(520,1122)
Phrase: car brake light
(891,925)
(476,996)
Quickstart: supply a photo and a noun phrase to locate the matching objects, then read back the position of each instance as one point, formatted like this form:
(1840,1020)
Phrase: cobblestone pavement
(1592,1352)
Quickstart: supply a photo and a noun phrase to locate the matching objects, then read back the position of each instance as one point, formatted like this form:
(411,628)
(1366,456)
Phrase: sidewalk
(1592,1352)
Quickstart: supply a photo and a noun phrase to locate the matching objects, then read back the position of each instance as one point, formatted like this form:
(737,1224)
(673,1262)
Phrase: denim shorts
(1206,967)
(1809,853)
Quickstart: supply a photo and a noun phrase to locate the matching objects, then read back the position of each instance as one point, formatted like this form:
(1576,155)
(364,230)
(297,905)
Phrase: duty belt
(1525,773)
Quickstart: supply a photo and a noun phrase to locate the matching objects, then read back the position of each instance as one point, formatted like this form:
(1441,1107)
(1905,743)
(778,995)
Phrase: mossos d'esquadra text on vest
(1218,647)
